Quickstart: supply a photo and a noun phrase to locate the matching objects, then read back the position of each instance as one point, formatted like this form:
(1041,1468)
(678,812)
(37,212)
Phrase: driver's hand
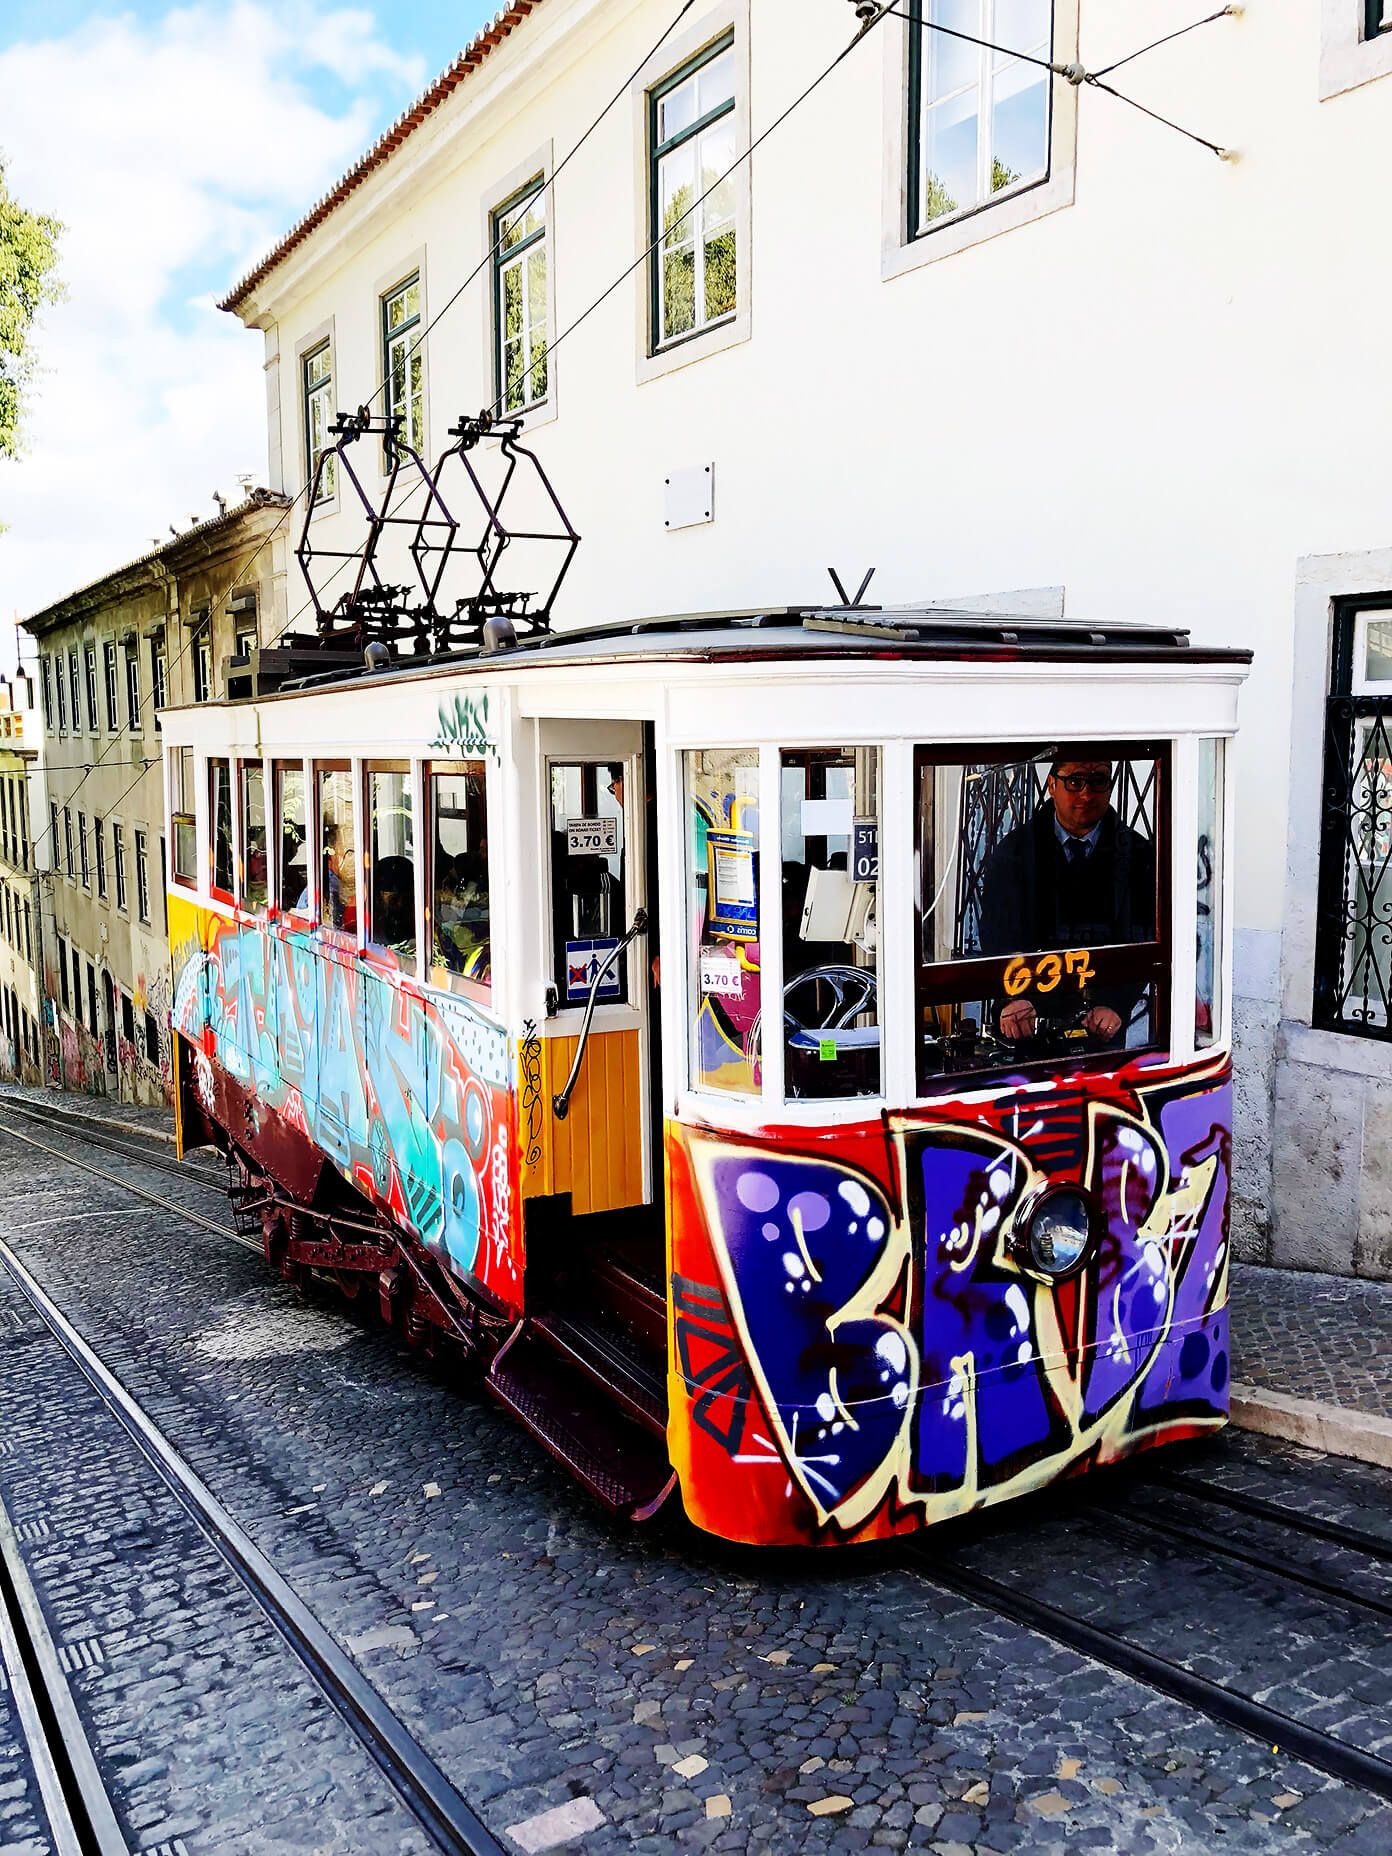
(1103,1022)
(1018,1020)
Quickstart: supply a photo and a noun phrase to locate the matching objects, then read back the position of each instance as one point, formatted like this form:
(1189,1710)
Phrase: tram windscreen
(1040,914)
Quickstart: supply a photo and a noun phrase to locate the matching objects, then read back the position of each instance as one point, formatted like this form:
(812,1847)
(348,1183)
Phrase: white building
(972,324)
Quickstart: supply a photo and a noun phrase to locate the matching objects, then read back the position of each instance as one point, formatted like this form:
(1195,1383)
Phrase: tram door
(598,872)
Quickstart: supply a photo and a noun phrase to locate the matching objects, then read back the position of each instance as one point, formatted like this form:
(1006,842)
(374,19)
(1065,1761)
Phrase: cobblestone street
(695,1695)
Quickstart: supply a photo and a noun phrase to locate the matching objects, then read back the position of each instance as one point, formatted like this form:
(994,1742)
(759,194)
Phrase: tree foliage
(28,255)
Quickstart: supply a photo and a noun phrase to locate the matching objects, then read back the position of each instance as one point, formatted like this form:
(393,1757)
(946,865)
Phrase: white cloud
(175,153)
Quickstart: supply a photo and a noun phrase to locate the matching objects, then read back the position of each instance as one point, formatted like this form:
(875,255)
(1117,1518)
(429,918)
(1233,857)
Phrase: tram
(787,1052)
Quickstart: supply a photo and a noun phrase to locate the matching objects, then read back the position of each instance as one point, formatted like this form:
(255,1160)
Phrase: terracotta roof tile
(449,80)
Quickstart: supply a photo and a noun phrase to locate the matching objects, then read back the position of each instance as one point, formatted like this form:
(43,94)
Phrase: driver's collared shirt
(1065,838)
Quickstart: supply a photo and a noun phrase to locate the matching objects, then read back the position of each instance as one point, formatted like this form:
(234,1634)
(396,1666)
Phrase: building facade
(21,958)
(109,657)
(972,322)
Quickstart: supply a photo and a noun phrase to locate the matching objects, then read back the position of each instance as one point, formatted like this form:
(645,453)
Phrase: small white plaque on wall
(689,496)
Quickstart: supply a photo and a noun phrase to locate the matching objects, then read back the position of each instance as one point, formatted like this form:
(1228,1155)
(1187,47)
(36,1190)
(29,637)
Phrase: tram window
(588,877)
(1209,938)
(1040,912)
(338,850)
(391,921)
(253,834)
(184,824)
(830,838)
(220,828)
(722,813)
(292,858)
(460,947)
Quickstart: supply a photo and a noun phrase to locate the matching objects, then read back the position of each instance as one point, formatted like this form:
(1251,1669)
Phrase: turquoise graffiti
(407,1091)
(464,728)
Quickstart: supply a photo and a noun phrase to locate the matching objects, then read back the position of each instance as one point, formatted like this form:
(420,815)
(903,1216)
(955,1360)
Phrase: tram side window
(1208,960)
(338,850)
(253,835)
(588,876)
(1040,911)
(391,921)
(831,863)
(722,822)
(460,947)
(292,854)
(220,816)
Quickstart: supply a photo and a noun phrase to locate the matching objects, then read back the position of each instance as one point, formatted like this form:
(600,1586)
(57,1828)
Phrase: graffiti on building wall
(408,1093)
(861,1337)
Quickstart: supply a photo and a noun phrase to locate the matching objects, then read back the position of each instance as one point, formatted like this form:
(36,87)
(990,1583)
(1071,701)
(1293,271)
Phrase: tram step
(620,1281)
(622,1466)
(615,1360)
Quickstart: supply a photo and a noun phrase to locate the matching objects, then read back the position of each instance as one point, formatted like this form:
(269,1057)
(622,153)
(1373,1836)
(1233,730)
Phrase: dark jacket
(1033,898)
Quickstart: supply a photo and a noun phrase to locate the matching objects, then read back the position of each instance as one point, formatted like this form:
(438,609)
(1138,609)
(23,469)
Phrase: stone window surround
(1320,579)
(901,252)
(1347,59)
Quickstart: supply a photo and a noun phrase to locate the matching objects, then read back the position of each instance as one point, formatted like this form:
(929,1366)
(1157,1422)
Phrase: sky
(176,143)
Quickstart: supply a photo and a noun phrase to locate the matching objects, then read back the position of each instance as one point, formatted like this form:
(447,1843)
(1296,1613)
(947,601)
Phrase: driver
(1072,876)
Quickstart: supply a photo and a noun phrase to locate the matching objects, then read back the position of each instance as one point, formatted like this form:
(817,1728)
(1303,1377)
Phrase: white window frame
(653,361)
(118,864)
(412,271)
(507,192)
(903,247)
(315,342)
(142,874)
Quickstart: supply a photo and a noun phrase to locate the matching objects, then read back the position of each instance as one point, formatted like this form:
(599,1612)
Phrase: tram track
(437,1806)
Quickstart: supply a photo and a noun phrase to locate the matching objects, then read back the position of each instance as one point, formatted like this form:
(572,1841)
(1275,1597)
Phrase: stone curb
(1336,1429)
(95,1121)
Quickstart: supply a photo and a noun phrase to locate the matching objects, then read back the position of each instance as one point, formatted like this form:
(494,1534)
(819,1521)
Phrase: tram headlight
(1058,1231)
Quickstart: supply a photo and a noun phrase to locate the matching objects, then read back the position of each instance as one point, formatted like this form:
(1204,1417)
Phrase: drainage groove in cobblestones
(443,1814)
(1294,1738)
(79,1813)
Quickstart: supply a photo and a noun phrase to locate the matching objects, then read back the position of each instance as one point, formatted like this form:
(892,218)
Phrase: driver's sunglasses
(1085,782)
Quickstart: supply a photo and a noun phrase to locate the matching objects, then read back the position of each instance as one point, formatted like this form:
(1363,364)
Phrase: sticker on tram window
(721,975)
(734,909)
(865,851)
(1048,972)
(583,961)
(592,837)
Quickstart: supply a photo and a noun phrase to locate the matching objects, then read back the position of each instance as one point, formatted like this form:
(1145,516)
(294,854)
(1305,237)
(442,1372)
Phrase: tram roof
(815,632)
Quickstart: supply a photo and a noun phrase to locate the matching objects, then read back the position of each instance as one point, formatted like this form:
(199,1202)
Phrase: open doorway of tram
(587,1368)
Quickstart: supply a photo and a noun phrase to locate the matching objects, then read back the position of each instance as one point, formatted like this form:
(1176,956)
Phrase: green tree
(28,254)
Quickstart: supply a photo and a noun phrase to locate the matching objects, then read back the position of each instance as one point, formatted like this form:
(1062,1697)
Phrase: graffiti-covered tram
(788,1053)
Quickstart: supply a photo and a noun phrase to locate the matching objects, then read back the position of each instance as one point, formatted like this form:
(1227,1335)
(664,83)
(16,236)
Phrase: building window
(54,837)
(979,118)
(113,720)
(158,672)
(1353,959)
(118,859)
(99,845)
(92,1000)
(691,135)
(403,361)
(90,660)
(202,659)
(521,365)
(245,633)
(63,974)
(82,850)
(47,694)
(220,828)
(127,1019)
(75,691)
(1377,17)
(152,1039)
(142,876)
(24,820)
(68,841)
(28,936)
(132,685)
(318,416)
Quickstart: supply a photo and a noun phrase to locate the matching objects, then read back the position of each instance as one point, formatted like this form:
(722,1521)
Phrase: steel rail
(1372,1546)
(140,1192)
(74,1801)
(1131,1523)
(438,1807)
(114,1142)
(1274,1729)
